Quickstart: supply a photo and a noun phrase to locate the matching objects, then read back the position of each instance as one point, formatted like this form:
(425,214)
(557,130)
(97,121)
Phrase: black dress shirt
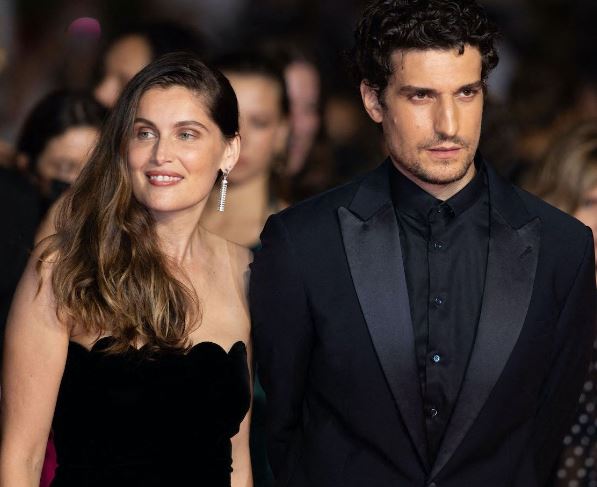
(445,246)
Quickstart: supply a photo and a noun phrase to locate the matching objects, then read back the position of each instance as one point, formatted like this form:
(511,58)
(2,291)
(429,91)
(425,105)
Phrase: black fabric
(336,354)
(138,420)
(262,473)
(20,216)
(445,256)
(385,306)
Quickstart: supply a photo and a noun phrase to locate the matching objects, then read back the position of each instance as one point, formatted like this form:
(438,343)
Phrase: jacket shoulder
(321,207)
(558,227)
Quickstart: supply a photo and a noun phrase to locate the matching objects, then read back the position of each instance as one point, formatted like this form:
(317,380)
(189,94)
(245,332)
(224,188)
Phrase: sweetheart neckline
(142,348)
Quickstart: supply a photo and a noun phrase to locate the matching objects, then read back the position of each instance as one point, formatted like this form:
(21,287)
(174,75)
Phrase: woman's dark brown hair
(109,275)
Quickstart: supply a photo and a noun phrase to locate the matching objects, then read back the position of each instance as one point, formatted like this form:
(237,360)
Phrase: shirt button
(432,484)
(436,358)
(438,300)
(438,245)
(433,412)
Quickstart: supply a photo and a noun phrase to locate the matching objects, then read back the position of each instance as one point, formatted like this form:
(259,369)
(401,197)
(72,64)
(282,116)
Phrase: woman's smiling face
(176,150)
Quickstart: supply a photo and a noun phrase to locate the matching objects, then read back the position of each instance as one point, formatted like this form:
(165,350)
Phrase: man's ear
(231,154)
(372,103)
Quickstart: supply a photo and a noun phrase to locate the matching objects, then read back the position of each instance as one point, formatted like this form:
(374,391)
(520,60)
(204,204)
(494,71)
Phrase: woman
(56,140)
(132,49)
(304,93)
(568,179)
(259,86)
(130,326)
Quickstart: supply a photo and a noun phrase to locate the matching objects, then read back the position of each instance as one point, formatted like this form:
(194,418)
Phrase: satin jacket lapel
(372,243)
(511,265)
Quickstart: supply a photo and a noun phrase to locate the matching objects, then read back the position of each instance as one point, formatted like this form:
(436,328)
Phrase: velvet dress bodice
(161,419)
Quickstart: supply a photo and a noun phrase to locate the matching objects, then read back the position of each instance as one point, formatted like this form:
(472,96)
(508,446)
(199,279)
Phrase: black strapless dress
(131,419)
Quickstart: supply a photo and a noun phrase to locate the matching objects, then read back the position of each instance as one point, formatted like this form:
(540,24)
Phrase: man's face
(431,114)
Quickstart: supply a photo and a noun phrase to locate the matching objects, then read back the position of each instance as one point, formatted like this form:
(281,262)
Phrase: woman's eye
(187,135)
(144,134)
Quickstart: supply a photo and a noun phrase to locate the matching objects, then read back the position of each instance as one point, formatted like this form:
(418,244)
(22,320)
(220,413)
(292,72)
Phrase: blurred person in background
(258,82)
(303,85)
(547,98)
(253,191)
(55,141)
(309,167)
(354,139)
(131,50)
(129,333)
(567,179)
(331,138)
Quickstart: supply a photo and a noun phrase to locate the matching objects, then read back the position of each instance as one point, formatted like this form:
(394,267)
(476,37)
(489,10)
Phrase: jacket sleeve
(570,361)
(282,334)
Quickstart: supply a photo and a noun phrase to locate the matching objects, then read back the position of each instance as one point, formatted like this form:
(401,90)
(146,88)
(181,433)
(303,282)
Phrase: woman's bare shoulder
(34,303)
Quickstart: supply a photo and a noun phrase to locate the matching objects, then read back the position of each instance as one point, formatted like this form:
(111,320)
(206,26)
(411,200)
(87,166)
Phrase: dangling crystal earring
(223,190)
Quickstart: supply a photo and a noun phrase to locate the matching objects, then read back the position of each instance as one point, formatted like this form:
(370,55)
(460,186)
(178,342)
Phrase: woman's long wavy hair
(109,275)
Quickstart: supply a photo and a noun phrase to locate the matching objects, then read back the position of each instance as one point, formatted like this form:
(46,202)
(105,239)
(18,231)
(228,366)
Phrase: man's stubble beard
(418,170)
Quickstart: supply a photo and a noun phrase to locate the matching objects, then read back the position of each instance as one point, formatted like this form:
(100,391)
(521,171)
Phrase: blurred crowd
(63,64)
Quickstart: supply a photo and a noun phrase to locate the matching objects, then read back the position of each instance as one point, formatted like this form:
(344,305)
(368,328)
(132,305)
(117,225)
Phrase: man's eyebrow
(411,90)
(477,85)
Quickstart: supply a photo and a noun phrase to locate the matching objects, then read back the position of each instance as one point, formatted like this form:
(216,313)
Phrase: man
(427,324)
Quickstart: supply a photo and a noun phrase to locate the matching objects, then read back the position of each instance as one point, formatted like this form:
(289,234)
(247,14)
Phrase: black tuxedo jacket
(335,349)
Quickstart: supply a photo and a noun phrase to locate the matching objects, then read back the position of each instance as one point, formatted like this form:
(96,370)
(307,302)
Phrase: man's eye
(469,92)
(420,95)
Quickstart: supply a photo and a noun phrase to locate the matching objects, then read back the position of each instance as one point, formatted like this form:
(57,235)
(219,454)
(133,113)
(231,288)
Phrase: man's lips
(444,152)
(163,178)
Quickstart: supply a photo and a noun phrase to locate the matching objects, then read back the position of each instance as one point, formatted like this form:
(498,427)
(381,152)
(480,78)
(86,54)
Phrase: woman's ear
(231,154)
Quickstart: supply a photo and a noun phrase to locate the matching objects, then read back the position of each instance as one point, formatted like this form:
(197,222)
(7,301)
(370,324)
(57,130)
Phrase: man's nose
(446,118)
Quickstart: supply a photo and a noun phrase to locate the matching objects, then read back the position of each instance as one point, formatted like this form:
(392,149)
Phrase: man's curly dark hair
(388,25)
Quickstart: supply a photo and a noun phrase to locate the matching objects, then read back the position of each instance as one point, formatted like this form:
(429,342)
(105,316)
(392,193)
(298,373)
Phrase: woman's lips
(158,178)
